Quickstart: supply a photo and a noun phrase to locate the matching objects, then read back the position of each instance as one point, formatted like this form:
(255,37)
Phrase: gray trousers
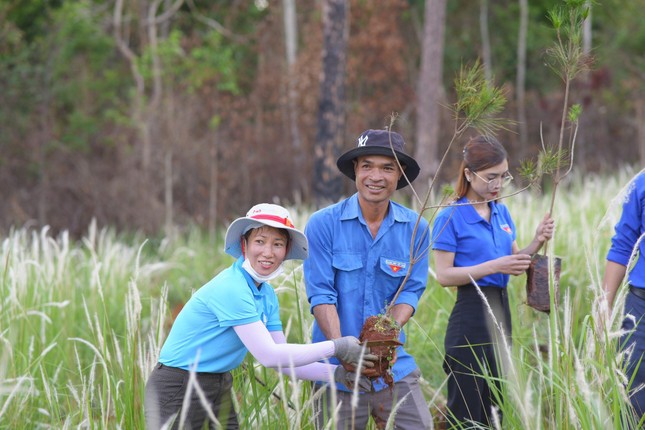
(412,414)
(165,393)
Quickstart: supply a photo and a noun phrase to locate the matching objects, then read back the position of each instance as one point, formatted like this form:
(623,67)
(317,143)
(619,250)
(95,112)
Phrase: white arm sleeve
(310,372)
(264,348)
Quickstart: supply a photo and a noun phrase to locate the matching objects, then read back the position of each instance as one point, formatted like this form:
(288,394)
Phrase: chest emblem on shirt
(506,228)
(395,266)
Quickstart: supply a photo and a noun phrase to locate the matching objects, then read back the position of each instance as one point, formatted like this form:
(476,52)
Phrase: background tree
(430,89)
(331,115)
(232,100)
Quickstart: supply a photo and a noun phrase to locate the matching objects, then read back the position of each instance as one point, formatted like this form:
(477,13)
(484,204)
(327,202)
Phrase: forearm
(531,248)
(402,313)
(311,372)
(613,278)
(262,345)
(328,321)
(455,276)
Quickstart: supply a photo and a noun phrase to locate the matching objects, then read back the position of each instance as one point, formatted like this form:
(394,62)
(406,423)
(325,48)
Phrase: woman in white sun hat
(235,312)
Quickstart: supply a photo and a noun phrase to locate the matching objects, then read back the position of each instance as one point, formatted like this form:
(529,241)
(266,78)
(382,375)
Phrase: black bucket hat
(377,142)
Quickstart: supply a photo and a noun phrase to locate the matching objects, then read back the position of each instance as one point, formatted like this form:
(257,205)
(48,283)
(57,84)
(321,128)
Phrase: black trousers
(165,393)
(474,343)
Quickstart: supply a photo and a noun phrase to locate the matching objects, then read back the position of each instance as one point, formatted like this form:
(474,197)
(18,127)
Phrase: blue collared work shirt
(473,240)
(204,330)
(360,274)
(628,231)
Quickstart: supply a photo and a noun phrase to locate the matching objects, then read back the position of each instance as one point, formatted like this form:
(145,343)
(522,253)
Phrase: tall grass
(81,324)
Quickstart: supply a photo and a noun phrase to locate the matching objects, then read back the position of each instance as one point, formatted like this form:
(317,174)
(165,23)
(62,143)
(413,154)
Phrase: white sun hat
(270,215)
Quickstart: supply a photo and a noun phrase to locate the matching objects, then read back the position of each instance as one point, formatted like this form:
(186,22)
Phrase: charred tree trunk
(331,110)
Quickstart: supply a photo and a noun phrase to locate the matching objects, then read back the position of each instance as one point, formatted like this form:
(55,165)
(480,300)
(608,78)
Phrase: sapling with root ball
(567,60)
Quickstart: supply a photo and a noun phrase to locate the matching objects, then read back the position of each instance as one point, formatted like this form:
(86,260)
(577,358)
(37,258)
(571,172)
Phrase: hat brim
(346,166)
(298,248)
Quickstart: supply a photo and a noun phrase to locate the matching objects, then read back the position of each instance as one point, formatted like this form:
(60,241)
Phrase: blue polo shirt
(473,240)
(359,274)
(204,326)
(628,231)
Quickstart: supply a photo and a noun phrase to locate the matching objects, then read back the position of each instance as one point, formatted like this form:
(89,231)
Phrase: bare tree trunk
(521,79)
(168,196)
(331,114)
(144,114)
(640,128)
(485,36)
(138,104)
(157,88)
(213,184)
(429,89)
(586,32)
(291,44)
(586,129)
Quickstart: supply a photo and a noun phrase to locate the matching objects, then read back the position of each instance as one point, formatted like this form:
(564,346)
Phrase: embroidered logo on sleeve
(506,228)
(395,266)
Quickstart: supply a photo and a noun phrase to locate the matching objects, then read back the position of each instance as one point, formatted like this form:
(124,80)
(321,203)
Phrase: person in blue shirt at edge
(359,255)
(474,239)
(235,312)
(628,243)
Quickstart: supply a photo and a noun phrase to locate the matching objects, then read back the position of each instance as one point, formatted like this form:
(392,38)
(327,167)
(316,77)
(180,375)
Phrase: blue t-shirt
(359,274)
(473,240)
(203,329)
(628,231)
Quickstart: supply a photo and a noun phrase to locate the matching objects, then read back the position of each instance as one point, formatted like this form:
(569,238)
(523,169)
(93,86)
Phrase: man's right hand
(349,350)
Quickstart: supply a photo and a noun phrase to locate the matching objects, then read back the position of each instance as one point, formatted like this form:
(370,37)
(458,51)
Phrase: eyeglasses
(504,179)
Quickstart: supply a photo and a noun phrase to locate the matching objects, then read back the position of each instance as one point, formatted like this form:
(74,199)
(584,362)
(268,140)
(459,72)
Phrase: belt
(638,292)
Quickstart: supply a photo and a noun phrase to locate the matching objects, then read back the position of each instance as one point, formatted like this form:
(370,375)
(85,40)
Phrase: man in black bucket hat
(380,142)
(359,254)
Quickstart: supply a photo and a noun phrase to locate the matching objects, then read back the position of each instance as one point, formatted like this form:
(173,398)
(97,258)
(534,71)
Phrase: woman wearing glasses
(474,249)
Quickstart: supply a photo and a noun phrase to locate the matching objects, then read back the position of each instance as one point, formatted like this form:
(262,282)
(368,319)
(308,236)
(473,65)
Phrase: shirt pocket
(348,268)
(393,270)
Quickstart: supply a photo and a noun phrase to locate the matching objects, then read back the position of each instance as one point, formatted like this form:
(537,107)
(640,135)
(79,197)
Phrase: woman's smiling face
(266,248)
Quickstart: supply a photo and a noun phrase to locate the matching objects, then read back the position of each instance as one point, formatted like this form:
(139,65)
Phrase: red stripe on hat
(284,221)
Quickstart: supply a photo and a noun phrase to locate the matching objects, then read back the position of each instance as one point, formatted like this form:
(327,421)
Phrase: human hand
(515,264)
(545,229)
(349,350)
(351,379)
(373,372)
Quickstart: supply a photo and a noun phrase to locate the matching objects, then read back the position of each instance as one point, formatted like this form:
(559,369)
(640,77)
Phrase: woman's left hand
(545,229)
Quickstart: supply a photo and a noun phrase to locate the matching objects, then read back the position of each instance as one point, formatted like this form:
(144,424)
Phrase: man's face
(376,177)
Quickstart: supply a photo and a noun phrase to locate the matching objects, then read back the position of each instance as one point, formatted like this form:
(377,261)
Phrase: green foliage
(479,102)
(214,59)
(529,171)
(566,56)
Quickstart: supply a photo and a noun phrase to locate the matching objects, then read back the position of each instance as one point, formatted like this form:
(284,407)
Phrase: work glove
(350,379)
(348,349)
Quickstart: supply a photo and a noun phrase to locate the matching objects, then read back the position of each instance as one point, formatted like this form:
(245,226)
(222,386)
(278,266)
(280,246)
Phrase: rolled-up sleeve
(628,228)
(416,284)
(318,267)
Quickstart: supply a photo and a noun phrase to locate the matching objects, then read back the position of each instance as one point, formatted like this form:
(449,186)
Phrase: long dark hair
(480,153)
